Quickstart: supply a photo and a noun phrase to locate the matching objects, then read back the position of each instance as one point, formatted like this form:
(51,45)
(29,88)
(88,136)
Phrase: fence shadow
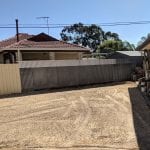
(141,118)
(54,90)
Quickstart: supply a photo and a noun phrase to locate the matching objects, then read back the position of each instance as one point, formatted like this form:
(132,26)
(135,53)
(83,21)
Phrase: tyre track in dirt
(114,99)
(71,120)
(85,116)
(81,120)
(34,114)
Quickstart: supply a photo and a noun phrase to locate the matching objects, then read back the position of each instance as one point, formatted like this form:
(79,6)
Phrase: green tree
(111,36)
(94,37)
(114,45)
(128,46)
(88,36)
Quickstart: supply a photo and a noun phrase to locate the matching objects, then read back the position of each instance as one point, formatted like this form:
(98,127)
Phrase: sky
(74,11)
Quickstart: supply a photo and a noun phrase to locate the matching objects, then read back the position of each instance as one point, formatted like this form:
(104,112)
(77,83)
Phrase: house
(145,48)
(134,56)
(38,47)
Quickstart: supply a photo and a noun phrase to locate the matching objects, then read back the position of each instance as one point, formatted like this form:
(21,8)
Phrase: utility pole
(17,30)
(47,21)
(17,34)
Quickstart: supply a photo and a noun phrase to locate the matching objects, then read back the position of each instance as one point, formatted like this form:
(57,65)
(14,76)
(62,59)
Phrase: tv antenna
(47,21)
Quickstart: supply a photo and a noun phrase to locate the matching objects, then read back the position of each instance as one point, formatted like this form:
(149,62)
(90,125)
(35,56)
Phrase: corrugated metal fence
(37,75)
(9,79)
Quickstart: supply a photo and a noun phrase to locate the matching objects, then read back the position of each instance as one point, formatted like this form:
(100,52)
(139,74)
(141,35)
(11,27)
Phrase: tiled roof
(56,45)
(43,41)
(13,40)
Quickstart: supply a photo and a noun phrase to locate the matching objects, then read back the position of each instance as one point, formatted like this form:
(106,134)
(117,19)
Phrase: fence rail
(63,63)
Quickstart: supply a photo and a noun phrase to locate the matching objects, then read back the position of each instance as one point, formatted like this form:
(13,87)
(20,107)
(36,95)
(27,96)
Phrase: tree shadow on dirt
(141,118)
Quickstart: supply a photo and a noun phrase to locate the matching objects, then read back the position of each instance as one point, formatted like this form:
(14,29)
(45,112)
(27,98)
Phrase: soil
(90,118)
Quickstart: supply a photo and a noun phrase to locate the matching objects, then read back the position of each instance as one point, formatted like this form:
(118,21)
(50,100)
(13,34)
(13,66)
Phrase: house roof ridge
(74,44)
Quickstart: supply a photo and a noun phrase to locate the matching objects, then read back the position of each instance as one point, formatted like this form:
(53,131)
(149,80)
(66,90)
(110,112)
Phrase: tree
(111,36)
(88,36)
(94,37)
(128,46)
(115,45)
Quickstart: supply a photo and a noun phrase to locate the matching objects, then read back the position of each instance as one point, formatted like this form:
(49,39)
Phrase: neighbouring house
(38,47)
(144,46)
(145,49)
(134,56)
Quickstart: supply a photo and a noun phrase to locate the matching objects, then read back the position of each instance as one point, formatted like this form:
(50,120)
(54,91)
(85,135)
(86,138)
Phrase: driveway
(91,118)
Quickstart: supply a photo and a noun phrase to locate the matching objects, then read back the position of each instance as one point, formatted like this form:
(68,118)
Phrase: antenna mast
(47,21)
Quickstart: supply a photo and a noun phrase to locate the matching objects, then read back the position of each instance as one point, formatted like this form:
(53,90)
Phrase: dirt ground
(90,118)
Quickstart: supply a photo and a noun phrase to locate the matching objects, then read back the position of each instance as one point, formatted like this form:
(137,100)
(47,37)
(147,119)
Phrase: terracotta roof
(13,40)
(43,41)
(52,45)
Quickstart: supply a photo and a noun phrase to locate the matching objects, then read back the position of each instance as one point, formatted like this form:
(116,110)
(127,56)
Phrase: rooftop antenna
(47,21)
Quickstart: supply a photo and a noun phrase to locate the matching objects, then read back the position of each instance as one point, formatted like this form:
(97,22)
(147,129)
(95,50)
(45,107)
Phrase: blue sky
(74,11)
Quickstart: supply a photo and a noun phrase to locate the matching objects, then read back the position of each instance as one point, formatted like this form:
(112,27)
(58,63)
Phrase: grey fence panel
(109,73)
(40,78)
(95,75)
(115,72)
(66,76)
(105,73)
(27,79)
(87,75)
(52,78)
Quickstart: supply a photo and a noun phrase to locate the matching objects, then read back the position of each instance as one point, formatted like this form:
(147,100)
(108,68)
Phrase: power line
(12,27)
(7,26)
(128,22)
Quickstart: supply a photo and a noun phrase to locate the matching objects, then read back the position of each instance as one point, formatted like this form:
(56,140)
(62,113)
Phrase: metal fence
(36,75)
(9,79)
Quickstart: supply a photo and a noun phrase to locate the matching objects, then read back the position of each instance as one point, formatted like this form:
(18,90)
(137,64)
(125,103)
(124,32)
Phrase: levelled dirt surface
(92,118)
